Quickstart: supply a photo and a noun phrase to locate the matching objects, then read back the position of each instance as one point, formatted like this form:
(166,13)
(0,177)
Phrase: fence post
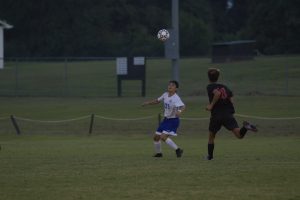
(16,77)
(66,77)
(286,80)
(14,122)
(91,123)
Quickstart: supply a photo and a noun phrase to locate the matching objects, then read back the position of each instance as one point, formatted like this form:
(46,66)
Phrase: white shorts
(166,133)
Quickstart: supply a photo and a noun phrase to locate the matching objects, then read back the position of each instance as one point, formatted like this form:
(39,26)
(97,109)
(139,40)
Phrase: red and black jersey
(224,105)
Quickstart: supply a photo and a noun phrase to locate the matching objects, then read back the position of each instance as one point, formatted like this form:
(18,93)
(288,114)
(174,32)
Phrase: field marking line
(2,118)
(53,121)
(124,119)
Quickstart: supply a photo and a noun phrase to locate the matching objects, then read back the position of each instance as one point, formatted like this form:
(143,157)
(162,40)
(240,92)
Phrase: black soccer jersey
(224,105)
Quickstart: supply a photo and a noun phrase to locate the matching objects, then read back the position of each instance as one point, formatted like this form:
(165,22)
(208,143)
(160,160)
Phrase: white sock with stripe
(171,144)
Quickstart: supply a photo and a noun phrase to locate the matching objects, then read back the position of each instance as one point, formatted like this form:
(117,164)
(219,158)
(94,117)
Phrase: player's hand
(178,113)
(209,107)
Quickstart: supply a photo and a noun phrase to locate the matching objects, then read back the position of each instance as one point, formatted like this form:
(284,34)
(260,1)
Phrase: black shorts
(228,122)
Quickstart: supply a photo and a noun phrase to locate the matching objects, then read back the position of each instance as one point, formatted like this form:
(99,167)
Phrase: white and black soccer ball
(163,35)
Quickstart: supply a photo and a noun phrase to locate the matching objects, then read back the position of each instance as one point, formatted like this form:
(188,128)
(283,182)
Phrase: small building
(3,25)
(233,51)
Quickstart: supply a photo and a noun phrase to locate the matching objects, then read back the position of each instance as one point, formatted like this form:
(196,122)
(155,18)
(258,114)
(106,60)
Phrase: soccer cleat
(249,126)
(158,155)
(179,152)
(208,157)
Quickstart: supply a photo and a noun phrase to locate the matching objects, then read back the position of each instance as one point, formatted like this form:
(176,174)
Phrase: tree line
(129,27)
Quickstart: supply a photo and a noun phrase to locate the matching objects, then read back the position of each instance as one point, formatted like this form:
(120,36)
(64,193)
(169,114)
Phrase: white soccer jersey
(171,104)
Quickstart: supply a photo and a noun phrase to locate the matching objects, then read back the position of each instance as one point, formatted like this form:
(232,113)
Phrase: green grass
(264,76)
(110,167)
(67,108)
(61,161)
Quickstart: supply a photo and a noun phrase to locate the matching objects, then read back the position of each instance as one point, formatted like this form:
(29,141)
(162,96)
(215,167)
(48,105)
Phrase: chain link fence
(96,77)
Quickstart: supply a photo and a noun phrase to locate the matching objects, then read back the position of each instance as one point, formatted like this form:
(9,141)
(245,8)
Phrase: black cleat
(179,152)
(158,155)
(208,157)
(249,126)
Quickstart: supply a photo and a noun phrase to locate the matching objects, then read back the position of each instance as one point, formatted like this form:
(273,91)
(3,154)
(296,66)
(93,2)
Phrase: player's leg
(211,145)
(172,127)
(230,123)
(166,138)
(158,136)
(157,145)
(240,132)
(214,127)
(157,139)
(169,141)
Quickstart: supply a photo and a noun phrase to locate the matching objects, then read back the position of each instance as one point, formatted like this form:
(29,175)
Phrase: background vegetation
(128,27)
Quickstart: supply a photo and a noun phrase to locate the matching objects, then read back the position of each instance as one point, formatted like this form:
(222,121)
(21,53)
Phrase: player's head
(213,74)
(173,85)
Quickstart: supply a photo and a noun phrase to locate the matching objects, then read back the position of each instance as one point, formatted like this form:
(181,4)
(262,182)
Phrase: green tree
(195,27)
(275,24)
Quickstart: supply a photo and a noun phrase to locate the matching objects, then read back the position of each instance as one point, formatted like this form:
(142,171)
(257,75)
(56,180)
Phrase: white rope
(246,116)
(148,117)
(124,119)
(195,119)
(2,118)
(53,121)
(267,118)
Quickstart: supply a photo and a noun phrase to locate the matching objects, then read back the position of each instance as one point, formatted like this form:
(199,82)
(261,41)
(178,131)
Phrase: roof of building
(5,25)
(235,42)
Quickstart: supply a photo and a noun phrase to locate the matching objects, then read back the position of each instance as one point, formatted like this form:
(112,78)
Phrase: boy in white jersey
(173,107)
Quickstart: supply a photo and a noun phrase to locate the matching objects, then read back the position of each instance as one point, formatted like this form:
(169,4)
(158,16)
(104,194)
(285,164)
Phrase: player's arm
(180,110)
(151,102)
(217,95)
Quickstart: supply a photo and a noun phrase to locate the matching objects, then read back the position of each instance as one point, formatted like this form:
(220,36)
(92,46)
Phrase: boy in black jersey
(222,110)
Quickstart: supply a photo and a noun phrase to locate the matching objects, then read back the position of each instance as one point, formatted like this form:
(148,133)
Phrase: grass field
(62,161)
(109,167)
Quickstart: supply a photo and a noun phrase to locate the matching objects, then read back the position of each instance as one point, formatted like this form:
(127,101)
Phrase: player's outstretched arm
(217,95)
(152,102)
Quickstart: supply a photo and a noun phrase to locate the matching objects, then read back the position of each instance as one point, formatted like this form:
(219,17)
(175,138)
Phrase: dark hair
(213,74)
(175,82)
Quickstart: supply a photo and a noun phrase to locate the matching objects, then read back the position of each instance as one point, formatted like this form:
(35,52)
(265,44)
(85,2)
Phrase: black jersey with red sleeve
(224,105)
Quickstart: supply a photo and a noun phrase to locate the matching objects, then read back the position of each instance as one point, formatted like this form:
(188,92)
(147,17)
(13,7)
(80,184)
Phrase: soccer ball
(163,35)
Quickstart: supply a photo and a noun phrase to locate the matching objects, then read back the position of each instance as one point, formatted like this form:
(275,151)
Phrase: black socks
(210,148)
(243,131)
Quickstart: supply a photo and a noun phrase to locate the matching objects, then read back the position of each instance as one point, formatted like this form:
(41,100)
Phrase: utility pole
(175,27)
